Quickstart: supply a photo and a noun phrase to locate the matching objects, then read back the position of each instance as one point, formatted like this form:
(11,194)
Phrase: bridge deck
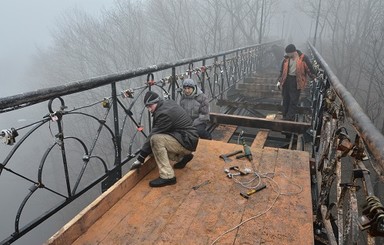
(180,215)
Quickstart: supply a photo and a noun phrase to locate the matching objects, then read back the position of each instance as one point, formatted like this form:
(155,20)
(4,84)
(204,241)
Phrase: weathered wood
(264,105)
(223,132)
(88,216)
(274,125)
(262,135)
(178,214)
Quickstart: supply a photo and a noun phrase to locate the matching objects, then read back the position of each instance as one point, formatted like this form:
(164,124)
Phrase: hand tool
(253,191)
(230,175)
(247,149)
(225,157)
(235,168)
(200,185)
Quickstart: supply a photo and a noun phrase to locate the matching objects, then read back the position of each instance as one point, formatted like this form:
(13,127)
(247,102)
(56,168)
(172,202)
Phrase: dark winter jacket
(196,105)
(170,118)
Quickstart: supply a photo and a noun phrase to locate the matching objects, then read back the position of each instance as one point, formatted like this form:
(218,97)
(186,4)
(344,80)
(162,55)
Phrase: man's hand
(136,164)
(278,85)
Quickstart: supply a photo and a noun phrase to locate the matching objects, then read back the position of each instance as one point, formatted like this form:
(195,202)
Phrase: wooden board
(262,135)
(223,132)
(178,214)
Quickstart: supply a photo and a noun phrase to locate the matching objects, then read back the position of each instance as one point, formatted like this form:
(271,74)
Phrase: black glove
(138,163)
(140,158)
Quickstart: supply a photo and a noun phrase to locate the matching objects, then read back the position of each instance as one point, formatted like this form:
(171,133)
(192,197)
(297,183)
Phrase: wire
(275,187)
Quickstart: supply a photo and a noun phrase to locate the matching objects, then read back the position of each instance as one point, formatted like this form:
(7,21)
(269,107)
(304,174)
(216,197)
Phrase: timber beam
(254,122)
(259,106)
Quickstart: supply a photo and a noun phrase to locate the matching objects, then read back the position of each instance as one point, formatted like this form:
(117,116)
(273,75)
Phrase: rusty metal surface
(371,135)
(275,125)
(259,105)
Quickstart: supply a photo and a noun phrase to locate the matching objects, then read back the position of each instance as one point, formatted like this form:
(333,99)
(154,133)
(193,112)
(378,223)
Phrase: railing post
(225,69)
(203,77)
(222,79)
(173,83)
(237,66)
(215,77)
(117,171)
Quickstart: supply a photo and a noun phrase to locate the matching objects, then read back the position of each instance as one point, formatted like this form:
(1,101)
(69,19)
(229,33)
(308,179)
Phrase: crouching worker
(172,138)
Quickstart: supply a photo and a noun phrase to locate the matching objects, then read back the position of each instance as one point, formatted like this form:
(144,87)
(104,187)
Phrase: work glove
(138,163)
(278,85)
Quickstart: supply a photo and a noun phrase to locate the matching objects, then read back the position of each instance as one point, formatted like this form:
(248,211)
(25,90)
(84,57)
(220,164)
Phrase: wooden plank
(278,216)
(178,214)
(251,231)
(302,204)
(223,132)
(86,218)
(262,135)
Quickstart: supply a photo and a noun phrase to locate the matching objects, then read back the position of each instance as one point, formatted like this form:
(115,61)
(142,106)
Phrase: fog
(27,25)
(27,42)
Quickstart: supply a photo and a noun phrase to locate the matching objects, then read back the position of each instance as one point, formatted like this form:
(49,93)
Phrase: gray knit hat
(189,83)
(151,98)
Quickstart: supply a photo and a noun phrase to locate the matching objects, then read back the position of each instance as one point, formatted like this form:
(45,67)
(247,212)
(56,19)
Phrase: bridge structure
(317,170)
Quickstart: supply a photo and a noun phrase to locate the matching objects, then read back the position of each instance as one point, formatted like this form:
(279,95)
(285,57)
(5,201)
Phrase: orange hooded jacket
(303,69)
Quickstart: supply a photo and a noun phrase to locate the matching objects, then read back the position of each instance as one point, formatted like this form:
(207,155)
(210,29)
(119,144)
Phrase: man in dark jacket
(172,138)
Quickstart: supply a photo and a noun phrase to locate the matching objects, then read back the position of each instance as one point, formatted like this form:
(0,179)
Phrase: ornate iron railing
(345,144)
(94,127)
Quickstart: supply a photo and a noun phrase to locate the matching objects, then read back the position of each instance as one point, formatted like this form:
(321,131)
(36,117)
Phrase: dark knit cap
(151,98)
(290,48)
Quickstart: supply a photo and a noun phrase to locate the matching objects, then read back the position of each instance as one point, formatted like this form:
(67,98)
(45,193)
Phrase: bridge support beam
(254,122)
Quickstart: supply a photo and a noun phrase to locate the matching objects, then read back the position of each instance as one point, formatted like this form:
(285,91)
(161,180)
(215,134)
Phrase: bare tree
(352,43)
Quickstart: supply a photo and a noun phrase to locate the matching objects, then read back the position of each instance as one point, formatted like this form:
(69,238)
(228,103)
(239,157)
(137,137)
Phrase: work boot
(159,182)
(183,161)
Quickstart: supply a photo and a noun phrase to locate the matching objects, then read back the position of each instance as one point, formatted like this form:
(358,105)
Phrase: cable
(277,190)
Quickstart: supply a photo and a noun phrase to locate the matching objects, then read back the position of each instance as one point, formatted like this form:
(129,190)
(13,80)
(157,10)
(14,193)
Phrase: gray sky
(25,25)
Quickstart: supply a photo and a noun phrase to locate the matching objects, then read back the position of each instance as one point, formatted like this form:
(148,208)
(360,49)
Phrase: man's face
(187,90)
(291,55)
(151,108)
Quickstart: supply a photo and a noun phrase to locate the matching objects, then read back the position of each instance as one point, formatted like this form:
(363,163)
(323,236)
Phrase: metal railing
(92,129)
(345,145)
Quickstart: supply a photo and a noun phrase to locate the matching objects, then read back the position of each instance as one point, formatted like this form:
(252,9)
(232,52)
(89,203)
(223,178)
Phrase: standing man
(196,104)
(172,138)
(295,68)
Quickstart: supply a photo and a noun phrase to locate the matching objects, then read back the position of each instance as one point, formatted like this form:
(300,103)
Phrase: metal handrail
(336,184)
(236,64)
(371,135)
(30,98)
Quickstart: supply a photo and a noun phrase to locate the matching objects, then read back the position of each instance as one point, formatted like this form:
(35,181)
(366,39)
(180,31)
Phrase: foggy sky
(25,25)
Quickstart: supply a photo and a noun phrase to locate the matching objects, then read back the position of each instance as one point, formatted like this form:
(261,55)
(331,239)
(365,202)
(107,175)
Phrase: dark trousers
(203,133)
(291,97)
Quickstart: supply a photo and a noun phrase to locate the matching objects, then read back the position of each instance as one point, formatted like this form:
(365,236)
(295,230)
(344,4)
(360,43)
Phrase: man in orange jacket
(295,68)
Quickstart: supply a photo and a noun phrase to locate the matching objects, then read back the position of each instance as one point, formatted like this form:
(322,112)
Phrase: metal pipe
(371,135)
(34,97)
